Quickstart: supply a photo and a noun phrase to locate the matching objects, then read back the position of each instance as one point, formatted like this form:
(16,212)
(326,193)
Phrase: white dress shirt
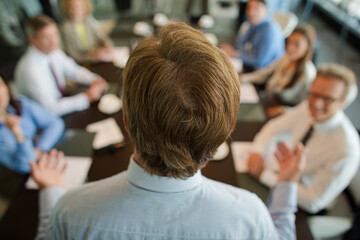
(332,157)
(136,205)
(34,79)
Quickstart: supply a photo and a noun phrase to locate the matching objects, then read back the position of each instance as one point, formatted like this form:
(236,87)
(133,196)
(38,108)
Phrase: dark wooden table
(21,218)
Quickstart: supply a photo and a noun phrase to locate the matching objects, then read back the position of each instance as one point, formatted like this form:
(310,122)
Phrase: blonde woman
(83,39)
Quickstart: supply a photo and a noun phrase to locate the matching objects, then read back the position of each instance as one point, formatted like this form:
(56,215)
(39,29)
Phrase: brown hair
(181,97)
(309,33)
(338,72)
(12,101)
(65,6)
(33,25)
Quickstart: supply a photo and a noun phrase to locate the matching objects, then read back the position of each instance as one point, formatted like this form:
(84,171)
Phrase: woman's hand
(13,123)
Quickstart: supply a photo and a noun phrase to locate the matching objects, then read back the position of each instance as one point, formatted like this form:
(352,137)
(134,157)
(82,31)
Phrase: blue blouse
(16,155)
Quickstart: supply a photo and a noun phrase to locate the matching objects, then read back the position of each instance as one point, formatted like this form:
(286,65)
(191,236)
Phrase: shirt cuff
(82,102)
(283,197)
(49,197)
(269,178)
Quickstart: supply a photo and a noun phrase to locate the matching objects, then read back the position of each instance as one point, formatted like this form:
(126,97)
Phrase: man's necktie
(307,135)
(60,88)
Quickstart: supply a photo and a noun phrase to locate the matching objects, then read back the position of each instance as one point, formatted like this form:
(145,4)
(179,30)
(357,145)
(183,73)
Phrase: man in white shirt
(332,155)
(41,72)
(181,97)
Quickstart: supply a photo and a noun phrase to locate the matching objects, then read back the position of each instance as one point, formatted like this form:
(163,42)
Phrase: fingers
(283,149)
(33,168)
(58,159)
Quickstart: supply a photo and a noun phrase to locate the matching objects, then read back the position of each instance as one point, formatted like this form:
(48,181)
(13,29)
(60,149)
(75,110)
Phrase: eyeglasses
(326,99)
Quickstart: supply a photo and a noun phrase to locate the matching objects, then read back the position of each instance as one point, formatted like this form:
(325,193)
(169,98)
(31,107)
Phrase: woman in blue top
(20,121)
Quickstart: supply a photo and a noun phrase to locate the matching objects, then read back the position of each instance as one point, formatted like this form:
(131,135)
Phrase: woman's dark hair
(13,102)
(309,33)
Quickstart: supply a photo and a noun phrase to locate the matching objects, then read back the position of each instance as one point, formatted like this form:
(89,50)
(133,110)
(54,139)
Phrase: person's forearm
(282,204)
(48,199)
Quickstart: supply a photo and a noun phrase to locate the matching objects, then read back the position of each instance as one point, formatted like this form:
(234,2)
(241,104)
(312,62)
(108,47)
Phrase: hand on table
(229,50)
(255,165)
(291,162)
(275,111)
(97,88)
(48,172)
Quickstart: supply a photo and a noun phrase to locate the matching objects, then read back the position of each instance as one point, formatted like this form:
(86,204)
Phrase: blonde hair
(181,97)
(65,6)
(338,72)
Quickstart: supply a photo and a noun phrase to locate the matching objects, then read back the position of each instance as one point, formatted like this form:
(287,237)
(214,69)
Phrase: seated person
(332,142)
(20,121)
(262,43)
(40,74)
(169,86)
(82,37)
(289,79)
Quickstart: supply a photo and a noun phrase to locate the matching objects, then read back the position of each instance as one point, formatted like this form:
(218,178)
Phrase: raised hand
(291,162)
(49,171)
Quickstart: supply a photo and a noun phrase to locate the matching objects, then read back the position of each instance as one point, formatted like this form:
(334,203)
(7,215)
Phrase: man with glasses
(330,139)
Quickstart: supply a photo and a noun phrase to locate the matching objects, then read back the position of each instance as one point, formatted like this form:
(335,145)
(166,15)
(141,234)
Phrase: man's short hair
(338,72)
(181,97)
(33,25)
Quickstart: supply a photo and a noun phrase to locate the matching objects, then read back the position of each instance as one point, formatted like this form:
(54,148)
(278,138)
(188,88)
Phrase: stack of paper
(240,152)
(248,93)
(107,133)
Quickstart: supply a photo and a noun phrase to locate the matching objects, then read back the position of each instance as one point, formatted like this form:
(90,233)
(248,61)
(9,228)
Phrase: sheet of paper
(248,93)
(120,56)
(107,132)
(74,175)
(240,152)
(237,63)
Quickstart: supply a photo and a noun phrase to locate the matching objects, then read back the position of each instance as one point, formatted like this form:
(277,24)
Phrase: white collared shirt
(332,158)
(33,78)
(137,205)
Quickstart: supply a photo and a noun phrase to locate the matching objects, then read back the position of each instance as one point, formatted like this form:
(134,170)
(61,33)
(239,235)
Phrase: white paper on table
(237,64)
(107,132)
(74,175)
(120,56)
(240,152)
(248,93)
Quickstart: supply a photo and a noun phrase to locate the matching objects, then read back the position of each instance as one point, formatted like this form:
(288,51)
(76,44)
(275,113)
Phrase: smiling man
(331,140)
(41,72)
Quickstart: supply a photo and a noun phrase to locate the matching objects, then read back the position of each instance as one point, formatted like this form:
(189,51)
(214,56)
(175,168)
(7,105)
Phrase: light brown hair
(181,97)
(65,6)
(337,72)
(33,25)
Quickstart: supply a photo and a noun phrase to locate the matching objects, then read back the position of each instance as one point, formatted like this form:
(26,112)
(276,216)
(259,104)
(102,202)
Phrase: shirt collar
(331,122)
(137,176)
(42,55)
